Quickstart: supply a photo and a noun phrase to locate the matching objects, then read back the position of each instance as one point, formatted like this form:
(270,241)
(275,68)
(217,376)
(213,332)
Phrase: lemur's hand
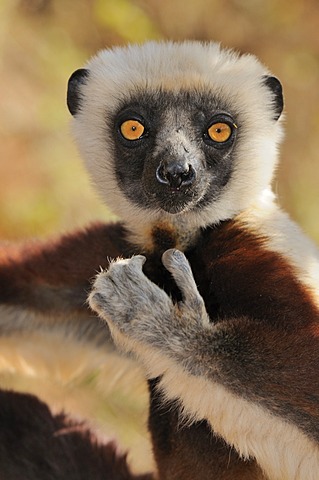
(137,309)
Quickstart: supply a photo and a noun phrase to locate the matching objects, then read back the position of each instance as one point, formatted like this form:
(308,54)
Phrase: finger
(137,261)
(128,268)
(177,264)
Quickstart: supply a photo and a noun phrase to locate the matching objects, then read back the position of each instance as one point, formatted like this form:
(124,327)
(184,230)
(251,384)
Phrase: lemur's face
(180,131)
(173,151)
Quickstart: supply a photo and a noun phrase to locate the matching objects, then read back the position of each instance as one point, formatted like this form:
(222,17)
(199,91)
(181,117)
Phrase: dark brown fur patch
(163,237)
(236,270)
(37,445)
(192,452)
(56,275)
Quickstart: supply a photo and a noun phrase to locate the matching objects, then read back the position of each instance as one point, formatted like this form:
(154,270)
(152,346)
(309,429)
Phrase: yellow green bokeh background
(44,189)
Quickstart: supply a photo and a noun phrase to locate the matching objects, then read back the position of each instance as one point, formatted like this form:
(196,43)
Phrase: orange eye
(219,132)
(132,129)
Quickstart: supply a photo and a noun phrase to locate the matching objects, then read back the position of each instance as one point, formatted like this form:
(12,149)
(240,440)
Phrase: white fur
(117,73)
(284,236)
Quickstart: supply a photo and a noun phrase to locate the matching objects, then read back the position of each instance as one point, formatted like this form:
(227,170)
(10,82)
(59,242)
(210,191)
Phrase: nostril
(175,175)
(160,174)
(189,176)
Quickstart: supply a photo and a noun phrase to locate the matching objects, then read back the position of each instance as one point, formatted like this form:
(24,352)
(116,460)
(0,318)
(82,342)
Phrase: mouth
(172,197)
(173,208)
(176,200)
(181,199)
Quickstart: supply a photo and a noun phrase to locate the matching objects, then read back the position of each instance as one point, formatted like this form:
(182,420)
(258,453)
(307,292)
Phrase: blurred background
(44,189)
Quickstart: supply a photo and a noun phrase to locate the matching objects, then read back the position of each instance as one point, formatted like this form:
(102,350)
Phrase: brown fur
(37,445)
(192,452)
(247,278)
(32,270)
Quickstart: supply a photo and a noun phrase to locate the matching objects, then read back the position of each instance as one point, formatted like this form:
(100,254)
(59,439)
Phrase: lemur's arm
(254,379)
(44,285)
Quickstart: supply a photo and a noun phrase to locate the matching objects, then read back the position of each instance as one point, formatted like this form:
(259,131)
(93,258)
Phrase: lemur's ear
(275,86)
(77,79)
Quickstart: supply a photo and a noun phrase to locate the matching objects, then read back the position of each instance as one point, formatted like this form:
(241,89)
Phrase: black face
(174,151)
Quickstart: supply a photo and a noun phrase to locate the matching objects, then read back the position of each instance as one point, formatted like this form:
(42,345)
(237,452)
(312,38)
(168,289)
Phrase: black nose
(175,174)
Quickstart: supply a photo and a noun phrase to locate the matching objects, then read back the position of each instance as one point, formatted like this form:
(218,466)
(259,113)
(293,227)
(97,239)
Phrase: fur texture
(37,445)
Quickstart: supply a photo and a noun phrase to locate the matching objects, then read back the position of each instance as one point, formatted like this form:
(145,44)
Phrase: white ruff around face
(117,74)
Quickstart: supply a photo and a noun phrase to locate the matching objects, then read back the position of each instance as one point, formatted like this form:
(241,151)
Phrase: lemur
(206,281)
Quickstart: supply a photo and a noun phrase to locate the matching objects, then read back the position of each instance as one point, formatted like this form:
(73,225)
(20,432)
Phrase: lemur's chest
(164,239)
(235,273)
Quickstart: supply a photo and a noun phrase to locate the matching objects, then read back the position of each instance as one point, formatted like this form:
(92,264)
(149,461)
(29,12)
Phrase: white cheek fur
(119,72)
